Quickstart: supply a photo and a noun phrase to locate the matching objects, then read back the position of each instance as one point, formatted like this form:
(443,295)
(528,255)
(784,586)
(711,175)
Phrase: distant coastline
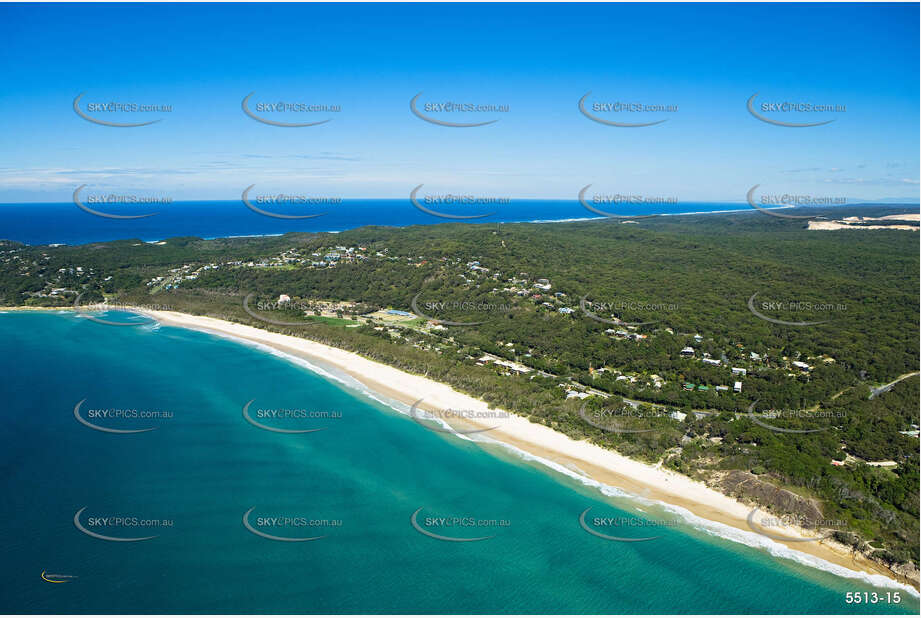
(66,224)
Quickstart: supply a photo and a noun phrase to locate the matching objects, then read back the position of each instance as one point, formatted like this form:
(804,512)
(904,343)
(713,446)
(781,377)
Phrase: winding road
(885,387)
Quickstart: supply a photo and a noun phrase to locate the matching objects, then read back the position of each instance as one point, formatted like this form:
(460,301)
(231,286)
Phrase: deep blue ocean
(356,483)
(66,223)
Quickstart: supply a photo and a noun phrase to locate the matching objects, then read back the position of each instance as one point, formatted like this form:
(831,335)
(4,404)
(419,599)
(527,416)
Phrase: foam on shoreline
(705,509)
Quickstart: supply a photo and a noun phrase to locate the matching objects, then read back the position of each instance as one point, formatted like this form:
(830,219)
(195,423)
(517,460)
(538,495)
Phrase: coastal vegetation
(719,346)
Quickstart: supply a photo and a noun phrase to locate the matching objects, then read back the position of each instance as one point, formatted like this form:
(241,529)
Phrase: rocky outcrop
(747,487)
(909,571)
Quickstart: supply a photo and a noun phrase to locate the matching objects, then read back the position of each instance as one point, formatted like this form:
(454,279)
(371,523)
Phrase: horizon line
(886,201)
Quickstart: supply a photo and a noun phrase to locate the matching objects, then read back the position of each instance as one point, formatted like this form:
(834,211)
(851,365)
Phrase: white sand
(833,225)
(722,513)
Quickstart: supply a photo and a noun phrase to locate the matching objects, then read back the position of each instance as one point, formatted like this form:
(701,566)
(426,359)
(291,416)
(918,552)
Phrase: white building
(737,387)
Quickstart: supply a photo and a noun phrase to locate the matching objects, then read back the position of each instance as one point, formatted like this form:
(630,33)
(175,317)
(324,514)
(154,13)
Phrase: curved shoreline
(716,513)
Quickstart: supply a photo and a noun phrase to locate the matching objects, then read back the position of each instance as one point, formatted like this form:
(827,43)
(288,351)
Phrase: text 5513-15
(872,598)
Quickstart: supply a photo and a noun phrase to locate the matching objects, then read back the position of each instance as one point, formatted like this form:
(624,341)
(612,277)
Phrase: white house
(737,387)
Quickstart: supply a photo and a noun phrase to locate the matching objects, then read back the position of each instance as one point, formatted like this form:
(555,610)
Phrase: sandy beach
(845,224)
(582,457)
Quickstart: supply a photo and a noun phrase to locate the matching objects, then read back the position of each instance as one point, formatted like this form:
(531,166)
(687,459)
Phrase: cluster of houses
(329,308)
(738,372)
(688,352)
(177,275)
(325,257)
(337,255)
(538,290)
(511,366)
(60,279)
(622,334)
(736,387)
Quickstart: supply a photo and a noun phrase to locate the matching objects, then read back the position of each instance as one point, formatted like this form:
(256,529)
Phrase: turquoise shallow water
(367,471)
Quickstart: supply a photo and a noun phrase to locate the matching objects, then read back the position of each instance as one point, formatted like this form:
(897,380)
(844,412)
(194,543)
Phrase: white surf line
(717,529)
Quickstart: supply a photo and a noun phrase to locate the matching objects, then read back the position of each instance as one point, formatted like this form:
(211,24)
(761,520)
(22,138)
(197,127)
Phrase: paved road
(885,387)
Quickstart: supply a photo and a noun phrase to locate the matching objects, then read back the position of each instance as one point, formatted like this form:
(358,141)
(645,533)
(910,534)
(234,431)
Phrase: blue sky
(539,60)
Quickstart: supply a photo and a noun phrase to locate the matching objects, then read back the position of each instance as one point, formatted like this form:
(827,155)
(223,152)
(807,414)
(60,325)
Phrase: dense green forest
(594,317)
